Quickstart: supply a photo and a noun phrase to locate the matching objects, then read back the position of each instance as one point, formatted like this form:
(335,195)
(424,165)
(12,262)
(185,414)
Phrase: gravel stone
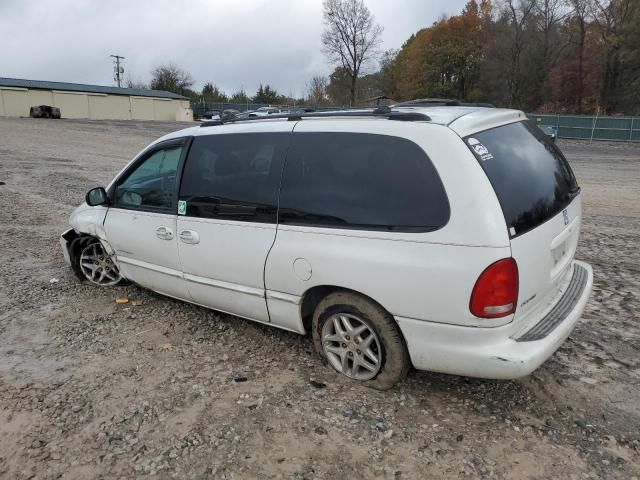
(87,389)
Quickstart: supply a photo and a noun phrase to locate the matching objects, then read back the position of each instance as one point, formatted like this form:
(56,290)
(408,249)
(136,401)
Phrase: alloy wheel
(351,346)
(97,265)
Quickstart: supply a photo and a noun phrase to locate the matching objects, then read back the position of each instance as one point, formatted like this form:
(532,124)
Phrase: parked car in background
(44,111)
(301,110)
(549,131)
(228,114)
(438,237)
(209,114)
(264,111)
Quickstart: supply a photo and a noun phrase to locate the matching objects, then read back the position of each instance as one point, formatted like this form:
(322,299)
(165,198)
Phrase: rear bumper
(499,352)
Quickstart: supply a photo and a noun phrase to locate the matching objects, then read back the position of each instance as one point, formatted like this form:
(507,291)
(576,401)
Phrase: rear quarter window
(361,181)
(531,177)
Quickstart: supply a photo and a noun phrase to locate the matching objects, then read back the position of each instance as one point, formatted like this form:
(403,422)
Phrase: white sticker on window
(480,149)
(182,207)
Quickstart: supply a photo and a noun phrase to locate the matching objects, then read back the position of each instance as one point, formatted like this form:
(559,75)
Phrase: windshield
(532,179)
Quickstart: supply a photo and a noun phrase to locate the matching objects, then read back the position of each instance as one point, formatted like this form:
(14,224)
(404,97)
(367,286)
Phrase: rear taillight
(495,293)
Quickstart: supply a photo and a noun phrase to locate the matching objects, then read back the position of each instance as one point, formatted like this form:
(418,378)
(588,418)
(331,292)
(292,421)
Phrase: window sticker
(182,207)
(480,149)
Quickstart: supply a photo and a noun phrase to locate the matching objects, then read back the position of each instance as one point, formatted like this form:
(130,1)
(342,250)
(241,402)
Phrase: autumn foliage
(536,55)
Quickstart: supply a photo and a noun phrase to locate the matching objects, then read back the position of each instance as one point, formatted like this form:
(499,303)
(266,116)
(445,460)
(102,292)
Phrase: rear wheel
(93,263)
(359,339)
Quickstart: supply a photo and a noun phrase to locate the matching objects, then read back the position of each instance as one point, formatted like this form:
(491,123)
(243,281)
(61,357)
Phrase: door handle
(189,236)
(164,233)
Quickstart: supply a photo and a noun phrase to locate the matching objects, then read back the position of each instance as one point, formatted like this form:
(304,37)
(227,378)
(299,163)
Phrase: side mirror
(96,196)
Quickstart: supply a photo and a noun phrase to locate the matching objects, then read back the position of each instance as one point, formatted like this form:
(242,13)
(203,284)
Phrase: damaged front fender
(85,221)
(89,220)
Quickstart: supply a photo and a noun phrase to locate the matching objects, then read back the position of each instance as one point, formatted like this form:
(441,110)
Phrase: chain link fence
(583,127)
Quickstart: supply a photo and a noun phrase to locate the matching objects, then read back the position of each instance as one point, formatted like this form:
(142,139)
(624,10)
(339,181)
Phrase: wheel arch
(314,295)
(76,241)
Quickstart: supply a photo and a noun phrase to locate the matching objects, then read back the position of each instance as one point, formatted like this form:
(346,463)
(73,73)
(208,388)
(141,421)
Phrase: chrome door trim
(233,287)
(149,266)
(284,297)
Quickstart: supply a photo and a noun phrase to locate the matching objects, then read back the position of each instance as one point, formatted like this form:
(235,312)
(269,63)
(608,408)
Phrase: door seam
(275,235)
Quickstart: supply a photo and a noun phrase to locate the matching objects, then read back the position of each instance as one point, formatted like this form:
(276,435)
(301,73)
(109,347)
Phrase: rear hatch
(541,202)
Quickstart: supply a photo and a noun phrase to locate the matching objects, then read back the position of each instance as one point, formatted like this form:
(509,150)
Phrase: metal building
(74,100)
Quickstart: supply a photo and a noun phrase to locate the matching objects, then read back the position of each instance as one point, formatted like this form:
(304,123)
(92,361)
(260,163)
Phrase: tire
(388,344)
(86,244)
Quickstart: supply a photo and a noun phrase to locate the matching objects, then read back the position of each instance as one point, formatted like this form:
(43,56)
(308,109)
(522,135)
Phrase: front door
(227,216)
(141,223)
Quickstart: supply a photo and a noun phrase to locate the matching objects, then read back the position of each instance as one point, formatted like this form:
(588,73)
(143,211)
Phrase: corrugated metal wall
(16,102)
(617,129)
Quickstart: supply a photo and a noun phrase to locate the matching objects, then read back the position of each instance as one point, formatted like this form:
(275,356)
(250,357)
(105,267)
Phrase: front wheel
(361,340)
(93,263)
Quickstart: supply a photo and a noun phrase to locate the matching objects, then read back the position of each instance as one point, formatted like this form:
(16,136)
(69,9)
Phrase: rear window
(363,181)
(532,179)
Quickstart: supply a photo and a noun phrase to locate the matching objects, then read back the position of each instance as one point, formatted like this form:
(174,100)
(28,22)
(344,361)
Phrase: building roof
(79,87)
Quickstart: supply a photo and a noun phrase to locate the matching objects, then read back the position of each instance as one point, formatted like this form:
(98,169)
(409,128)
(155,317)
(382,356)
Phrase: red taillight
(495,293)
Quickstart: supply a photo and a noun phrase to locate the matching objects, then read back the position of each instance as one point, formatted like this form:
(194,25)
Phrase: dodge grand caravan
(439,237)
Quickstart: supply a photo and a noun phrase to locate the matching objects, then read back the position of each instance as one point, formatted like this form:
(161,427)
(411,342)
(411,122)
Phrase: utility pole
(118,70)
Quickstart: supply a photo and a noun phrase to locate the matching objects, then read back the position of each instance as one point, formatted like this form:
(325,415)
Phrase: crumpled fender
(90,221)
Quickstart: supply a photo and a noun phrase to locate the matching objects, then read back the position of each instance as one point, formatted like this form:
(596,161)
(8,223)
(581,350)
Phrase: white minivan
(439,237)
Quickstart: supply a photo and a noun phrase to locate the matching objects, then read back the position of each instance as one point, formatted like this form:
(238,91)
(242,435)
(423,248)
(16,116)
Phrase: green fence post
(631,131)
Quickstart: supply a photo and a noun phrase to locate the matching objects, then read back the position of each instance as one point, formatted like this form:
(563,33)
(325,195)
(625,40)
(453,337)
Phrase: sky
(231,43)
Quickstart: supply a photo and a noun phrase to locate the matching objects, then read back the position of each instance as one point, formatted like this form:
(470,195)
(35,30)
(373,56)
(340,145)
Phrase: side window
(234,176)
(346,180)
(152,184)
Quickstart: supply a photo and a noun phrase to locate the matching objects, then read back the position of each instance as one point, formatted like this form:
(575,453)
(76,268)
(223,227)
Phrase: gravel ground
(156,387)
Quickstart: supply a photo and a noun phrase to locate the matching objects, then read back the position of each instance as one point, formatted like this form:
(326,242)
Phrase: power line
(118,70)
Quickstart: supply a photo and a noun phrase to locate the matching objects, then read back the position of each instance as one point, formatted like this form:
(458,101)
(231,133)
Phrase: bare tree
(317,90)
(136,84)
(351,37)
(581,12)
(612,16)
(550,13)
(518,13)
(170,78)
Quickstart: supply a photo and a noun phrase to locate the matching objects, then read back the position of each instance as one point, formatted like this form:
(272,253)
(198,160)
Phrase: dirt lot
(91,389)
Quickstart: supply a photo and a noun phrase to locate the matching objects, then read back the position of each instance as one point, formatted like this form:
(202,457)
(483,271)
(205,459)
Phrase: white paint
(262,271)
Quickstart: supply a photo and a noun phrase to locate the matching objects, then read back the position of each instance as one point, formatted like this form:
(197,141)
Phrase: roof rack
(441,102)
(380,112)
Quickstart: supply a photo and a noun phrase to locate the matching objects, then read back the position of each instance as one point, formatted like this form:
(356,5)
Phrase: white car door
(141,222)
(227,214)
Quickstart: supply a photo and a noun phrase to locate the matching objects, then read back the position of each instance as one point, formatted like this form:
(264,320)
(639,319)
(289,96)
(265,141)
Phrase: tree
(616,19)
(549,14)
(581,10)
(368,88)
(266,94)
(317,90)
(443,60)
(170,78)
(211,93)
(239,97)
(389,73)
(339,88)
(518,15)
(137,84)
(351,37)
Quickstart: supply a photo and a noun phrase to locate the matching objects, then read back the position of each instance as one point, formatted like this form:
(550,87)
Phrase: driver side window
(152,184)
